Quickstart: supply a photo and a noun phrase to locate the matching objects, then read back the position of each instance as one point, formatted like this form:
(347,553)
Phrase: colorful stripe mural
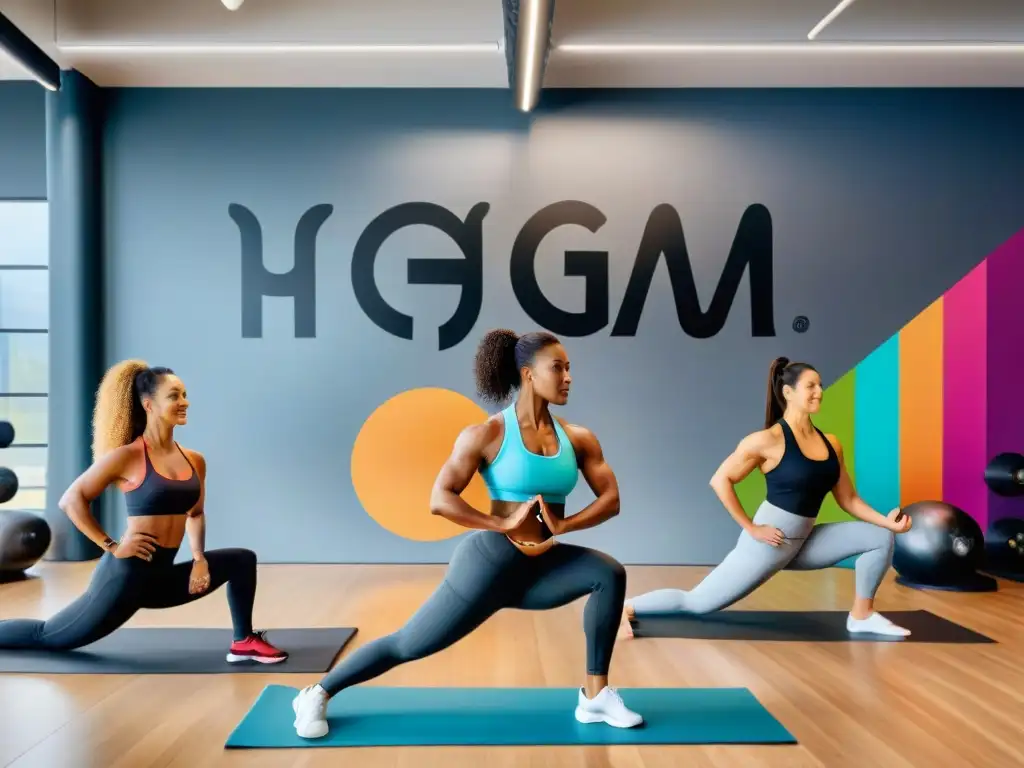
(920,417)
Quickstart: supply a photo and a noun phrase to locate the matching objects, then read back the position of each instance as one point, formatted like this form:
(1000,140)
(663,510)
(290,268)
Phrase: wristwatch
(110,545)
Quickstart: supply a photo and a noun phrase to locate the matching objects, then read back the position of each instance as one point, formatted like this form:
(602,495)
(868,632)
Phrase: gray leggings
(486,574)
(751,563)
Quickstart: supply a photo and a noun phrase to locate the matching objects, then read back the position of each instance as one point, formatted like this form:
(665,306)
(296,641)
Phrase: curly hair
(118,417)
(500,355)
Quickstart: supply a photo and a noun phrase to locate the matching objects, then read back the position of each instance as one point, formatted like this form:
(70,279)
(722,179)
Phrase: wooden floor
(848,704)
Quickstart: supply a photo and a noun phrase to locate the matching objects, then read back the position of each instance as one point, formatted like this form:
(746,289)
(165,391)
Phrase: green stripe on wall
(836,417)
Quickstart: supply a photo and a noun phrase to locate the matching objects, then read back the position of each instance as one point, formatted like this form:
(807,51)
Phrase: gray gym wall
(22,141)
(879,202)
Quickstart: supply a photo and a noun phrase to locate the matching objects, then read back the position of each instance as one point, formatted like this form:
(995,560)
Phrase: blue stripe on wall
(876,423)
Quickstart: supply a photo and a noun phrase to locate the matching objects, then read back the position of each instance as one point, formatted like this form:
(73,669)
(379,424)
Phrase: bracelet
(110,545)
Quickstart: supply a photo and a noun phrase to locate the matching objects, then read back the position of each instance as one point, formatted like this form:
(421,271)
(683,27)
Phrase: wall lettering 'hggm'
(663,235)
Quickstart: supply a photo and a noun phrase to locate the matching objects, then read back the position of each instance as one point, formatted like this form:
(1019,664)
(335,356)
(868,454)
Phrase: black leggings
(488,573)
(119,588)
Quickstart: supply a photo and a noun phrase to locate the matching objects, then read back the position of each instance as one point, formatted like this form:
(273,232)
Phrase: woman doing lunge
(530,462)
(164,485)
(801,464)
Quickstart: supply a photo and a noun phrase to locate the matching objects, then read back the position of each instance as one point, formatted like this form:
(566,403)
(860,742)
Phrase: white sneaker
(606,707)
(310,708)
(875,624)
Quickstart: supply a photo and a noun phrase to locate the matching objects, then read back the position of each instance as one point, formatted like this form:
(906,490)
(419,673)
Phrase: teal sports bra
(517,474)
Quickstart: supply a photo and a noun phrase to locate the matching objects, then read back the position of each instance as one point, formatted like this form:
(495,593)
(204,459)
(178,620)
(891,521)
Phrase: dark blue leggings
(488,573)
(119,588)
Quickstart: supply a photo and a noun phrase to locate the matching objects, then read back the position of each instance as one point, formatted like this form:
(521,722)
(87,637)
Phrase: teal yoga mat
(373,716)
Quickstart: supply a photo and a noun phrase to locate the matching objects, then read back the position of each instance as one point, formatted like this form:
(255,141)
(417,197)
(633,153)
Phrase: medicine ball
(943,550)
(24,539)
(1004,546)
(1004,474)
(8,485)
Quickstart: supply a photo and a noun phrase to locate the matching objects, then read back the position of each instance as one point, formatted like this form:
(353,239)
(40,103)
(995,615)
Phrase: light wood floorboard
(892,705)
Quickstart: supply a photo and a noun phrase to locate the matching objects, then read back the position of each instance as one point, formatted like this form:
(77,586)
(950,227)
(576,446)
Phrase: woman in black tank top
(801,465)
(137,410)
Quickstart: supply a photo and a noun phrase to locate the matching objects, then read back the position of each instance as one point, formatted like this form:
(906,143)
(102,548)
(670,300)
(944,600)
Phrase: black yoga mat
(177,651)
(801,626)
(1008,574)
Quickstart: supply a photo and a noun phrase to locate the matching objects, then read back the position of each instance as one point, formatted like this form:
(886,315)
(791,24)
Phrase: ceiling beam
(29,55)
(527,45)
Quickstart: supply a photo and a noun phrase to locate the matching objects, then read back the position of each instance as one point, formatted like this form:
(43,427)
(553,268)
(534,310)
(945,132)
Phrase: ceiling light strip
(832,16)
(159,49)
(809,49)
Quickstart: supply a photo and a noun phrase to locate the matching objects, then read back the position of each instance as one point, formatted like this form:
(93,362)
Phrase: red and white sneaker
(255,648)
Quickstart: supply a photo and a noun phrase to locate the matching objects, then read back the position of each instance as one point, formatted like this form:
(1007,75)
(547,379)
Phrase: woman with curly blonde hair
(137,409)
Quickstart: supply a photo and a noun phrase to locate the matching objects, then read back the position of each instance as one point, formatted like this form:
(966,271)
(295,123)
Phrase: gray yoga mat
(181,651)
(800,626)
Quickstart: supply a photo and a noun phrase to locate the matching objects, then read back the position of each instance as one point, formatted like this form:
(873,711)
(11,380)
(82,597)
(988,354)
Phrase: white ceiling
(458,43)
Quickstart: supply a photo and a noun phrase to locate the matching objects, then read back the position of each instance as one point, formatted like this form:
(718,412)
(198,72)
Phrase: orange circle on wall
(398,453)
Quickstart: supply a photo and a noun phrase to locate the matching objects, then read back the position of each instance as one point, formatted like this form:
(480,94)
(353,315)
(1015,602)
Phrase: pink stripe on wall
(1005,362)
(965,411)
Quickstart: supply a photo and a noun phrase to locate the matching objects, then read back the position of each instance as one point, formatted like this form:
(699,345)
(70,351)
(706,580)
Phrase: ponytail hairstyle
(118,417)
(499,357)
(782,373)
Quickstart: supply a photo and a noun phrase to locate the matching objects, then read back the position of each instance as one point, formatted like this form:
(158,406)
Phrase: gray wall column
(73,154)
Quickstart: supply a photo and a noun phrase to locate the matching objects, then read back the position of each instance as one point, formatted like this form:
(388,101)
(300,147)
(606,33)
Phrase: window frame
(44,446)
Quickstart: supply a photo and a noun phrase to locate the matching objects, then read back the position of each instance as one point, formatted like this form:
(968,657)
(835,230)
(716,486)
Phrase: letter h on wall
(299,282)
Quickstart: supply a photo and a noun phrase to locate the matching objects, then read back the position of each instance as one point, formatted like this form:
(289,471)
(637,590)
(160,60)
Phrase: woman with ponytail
(530,461)
(801,464)
(137,410)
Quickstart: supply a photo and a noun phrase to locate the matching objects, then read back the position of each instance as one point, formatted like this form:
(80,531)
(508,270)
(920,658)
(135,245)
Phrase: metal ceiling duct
(527,43)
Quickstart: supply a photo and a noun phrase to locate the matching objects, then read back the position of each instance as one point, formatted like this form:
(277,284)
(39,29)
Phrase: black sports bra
(159,495)
(799,484)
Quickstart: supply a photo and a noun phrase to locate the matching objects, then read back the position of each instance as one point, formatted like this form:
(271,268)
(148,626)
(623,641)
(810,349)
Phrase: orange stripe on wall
(921,407)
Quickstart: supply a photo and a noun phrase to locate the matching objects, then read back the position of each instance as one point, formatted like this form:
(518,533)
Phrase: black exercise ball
(1004,545)
(8,485)
(1004,474)
(24,539)
(6,434)
(943,550)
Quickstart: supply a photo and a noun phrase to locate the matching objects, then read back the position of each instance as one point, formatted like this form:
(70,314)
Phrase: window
(24,345)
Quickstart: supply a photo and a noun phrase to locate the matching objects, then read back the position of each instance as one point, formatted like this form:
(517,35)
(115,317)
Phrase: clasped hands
(555,524)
